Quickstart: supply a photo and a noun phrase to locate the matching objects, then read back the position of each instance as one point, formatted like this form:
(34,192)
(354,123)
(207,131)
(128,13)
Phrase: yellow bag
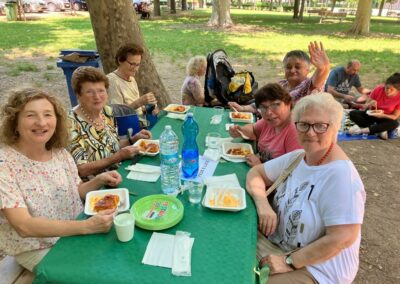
(241,79)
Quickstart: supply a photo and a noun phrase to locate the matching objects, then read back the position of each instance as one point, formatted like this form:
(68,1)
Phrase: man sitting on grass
(342,79)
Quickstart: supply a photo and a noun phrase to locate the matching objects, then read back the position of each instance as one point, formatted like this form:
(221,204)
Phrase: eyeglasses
(273,106)
(317,127)
(133,64)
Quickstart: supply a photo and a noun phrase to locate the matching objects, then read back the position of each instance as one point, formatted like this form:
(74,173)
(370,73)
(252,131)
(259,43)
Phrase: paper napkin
(144,172)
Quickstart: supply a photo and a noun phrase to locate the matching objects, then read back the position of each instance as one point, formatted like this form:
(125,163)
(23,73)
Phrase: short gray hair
(194,64)
(322,101)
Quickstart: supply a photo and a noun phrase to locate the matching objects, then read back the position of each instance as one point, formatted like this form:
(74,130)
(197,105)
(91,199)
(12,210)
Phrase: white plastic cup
(124,226)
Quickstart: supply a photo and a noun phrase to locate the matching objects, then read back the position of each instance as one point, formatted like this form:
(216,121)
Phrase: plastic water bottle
(169,161)
(190,150)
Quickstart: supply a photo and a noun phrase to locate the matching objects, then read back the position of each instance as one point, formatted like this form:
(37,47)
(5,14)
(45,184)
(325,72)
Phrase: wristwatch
(289,261)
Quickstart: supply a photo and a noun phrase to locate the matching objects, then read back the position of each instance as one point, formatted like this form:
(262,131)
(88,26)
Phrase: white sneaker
(354,130)
(383,135)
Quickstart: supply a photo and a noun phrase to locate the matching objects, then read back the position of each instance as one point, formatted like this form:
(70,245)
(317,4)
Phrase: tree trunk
(381,7)
(333,5)
(184,5)
(221,14)
(363,18)
(201,3)
(115,23)
(172,8)
(296,9)
(301,10)
(156,8)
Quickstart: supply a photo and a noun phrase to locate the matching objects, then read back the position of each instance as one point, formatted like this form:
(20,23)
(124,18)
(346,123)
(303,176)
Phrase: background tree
(115,23)
(184,5)
(363,18)
(381,5)
(156,8)
(172,7)
(221,14)
(298,10)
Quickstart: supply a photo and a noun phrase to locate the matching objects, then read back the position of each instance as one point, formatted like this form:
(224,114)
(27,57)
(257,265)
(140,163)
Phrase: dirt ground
(375,160)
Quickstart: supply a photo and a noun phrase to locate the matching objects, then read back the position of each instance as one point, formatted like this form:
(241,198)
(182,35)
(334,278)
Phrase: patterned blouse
(89,144)
(301,90)
(192,91)
(47,189)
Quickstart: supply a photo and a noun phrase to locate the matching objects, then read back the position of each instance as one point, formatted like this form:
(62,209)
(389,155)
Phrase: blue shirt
(341,81)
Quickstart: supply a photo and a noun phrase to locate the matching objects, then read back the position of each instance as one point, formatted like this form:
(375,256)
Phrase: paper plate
(173,108)
(376,111)
(157,212)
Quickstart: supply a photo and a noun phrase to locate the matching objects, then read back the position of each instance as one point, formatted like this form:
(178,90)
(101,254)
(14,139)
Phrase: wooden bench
(332,15)
(314,11)
(13,273)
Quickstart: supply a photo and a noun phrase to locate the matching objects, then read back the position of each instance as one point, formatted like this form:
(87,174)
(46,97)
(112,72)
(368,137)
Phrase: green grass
(263,37)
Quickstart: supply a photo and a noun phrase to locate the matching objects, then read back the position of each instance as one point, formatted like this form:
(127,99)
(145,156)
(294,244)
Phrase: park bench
(332,15)
(314,11)
(13,273)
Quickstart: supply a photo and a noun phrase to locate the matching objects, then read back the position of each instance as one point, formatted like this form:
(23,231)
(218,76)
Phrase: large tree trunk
(156,8)
(221,14)
(301,10)
(115,23)
(381,7)
(363,18)
(172,7)
(184,5)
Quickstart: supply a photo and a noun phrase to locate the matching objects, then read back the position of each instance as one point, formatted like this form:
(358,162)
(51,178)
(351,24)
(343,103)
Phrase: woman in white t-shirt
(312,231)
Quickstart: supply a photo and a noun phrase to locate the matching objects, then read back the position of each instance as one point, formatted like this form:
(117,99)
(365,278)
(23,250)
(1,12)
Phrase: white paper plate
(248,120)
(372,112)
(123,199)
(215,198)
(137,143)
(229,145)
(170,108)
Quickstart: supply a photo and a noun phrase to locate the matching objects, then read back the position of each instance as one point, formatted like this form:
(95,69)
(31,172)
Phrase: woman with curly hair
(192,91)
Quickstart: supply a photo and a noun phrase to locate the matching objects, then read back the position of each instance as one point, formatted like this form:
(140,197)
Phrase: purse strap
(285,174)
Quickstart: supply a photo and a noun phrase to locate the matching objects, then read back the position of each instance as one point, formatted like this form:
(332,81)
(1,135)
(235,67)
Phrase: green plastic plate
(157,212)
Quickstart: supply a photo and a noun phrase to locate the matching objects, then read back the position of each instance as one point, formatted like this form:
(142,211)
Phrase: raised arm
(320,60)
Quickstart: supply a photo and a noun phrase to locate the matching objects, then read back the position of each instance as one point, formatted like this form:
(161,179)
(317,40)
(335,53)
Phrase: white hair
(194,64)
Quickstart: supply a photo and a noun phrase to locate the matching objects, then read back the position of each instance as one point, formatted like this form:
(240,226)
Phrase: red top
(385,103)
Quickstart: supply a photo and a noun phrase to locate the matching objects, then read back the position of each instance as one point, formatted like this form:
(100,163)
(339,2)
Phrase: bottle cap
(167,127)
(189,114)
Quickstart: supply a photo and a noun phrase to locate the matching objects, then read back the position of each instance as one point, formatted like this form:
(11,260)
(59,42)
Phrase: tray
(170,108)
(123,199)
(229,145)
(249,118)
(157,212)
(137,143)
(226,199)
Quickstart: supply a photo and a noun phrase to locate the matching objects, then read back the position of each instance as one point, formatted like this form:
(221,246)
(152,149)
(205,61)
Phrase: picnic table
(224,249)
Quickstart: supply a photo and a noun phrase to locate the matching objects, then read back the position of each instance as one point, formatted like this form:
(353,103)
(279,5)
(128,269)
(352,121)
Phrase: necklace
(325,156)
(97,124)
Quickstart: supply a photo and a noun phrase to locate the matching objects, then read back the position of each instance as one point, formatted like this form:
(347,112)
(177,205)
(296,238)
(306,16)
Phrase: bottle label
(170,159)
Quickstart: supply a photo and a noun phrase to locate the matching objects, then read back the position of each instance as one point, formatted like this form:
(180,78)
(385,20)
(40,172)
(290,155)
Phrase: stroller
(223,84)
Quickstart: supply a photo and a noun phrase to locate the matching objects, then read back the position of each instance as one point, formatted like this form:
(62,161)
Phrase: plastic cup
(219,110)
(124,226)
(195,191)
(213,140)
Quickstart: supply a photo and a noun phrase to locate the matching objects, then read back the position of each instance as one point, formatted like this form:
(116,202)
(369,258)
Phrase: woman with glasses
(275,133)
(311,232)
(297,64)
(95,145)
(123,88)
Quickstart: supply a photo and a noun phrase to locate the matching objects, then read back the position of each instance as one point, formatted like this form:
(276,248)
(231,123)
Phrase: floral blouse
(303,89)
(192,91)
(89,144)
(47,189)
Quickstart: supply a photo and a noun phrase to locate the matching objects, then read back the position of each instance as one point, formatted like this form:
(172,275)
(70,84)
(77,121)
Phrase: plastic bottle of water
(190,150)
(169,161)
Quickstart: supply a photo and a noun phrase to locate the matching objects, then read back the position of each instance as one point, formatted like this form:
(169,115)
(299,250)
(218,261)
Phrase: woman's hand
(128,152)
(233,131)
(111,178)
(235,106)
(372,104)
(252,160)
(267,219)
(143,134)
(318,56)
(101,222)
(149,98)
(276,264)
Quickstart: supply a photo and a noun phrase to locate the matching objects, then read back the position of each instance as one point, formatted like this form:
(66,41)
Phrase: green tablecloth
(223,250)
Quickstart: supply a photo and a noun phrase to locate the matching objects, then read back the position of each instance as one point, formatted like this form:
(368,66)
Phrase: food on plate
(149,147)
(177,108)
(109,201)
(375,111)
(238,151)
(224,199)
(241,115)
